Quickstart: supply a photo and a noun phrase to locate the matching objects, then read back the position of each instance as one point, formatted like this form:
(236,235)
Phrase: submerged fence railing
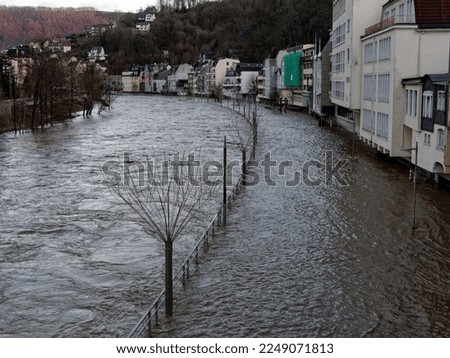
(153,315)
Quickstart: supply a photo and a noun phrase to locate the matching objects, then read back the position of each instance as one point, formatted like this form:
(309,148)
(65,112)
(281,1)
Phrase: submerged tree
(93,87)
(243,130)
(166,200)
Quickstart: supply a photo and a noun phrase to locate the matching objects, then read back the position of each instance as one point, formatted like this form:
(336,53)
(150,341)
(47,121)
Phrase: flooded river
(318,258)
(324,258)
(71,260)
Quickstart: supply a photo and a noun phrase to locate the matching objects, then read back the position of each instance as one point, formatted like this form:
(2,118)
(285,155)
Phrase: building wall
(221,69)
(350,18)
(409,58)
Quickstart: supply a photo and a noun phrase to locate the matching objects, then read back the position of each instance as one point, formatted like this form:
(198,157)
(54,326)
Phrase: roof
(248,67)
(432,13)
(441,79)
(438,78)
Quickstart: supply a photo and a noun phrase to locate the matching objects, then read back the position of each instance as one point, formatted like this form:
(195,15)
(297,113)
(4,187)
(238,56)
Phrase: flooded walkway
(325,260)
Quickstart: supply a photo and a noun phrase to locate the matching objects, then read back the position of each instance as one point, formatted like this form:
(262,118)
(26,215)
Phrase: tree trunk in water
(169,279)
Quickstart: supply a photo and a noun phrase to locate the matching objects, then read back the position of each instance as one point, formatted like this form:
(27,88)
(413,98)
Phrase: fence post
(224,199)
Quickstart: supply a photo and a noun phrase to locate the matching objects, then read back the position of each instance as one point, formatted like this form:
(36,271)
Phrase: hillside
(247,29)
(24,24)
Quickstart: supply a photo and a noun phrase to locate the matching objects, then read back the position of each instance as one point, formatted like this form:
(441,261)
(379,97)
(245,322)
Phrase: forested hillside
(248,29)
(24,24)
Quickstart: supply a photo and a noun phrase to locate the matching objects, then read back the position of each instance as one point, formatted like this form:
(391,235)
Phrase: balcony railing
(389,22)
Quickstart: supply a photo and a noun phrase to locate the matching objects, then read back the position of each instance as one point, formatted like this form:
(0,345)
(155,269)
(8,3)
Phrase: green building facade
(293,70)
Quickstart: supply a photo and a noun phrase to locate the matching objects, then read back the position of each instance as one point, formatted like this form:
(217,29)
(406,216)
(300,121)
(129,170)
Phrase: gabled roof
(438,78)
(432,13)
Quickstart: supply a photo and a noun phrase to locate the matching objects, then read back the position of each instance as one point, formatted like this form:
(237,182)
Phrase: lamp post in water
(416,150)
(224,199)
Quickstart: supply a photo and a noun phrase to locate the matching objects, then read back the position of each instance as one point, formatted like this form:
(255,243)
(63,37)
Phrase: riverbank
(323,260)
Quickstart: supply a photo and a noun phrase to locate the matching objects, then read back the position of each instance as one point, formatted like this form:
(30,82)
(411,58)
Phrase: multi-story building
(350,18)
(321,104)
(132,79)
(270,80)
(222,67)
(398,104)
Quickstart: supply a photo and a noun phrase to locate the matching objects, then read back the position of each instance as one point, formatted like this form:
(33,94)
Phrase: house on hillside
(97,54)
(94,30)
(145,18)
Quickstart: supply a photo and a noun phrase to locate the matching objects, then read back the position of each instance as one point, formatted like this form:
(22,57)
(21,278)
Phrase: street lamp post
(224,198)
(416,150)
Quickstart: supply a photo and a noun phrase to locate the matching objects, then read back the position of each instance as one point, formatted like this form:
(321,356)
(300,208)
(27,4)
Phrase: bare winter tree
(174,192)
(244,131)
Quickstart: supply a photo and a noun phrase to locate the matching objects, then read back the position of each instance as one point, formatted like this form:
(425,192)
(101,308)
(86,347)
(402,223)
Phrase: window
(369,52)
(338,8)
(383,88)
(440,138)
(427,104)
(338,89)
(385,49)
(409,10)
(441,101)
(411,103)
(382,125)
(348,25)
(427,139)
(339,61)
(401,12)
(369,87)
(367,117)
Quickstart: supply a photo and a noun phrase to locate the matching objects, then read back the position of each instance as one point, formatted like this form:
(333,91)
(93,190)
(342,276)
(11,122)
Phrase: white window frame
(427,104)
(367,120)
(384,80)
(370,52)
(383,125)
(440,138)
(369,87)
(384,49)
(441,96)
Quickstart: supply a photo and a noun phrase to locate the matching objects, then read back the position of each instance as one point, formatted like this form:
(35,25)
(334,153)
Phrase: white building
(247,78)
(321,104)
(409,40)
(223,66)
(145,19)
(270,79)
(132,79)
(350,18)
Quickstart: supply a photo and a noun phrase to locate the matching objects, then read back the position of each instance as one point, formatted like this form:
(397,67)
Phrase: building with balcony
(350,19)
(398,51)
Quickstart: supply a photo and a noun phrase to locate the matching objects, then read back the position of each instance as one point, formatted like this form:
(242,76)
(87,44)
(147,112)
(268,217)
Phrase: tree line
(46,87)
(250,30)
